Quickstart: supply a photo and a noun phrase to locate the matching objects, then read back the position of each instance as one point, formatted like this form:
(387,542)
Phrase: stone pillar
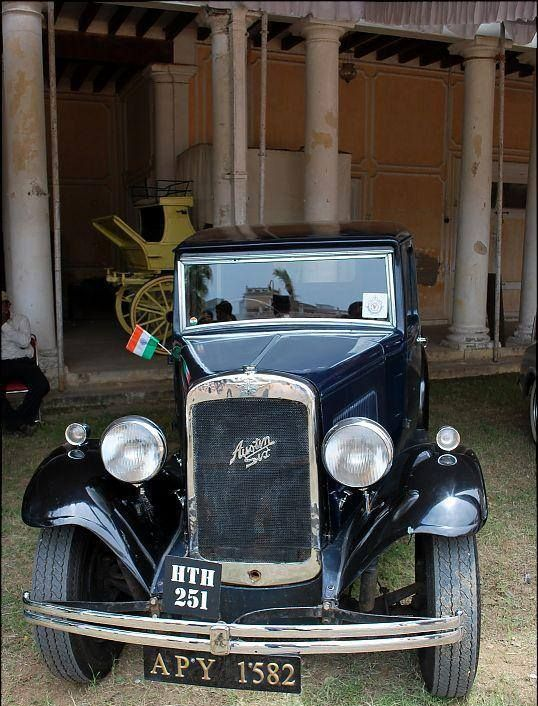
(321,128)
(238,65)
(26,223)
(527,304)
(469,328)
(222,117)
(170,87)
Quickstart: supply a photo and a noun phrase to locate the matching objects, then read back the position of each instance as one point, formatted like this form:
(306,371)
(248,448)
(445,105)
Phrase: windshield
(321,285)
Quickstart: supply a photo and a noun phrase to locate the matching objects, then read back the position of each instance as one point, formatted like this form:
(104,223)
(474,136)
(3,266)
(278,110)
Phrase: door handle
(422,340)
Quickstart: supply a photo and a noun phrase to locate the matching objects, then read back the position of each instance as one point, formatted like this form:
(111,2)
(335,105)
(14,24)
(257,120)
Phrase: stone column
(469,328)
(321,126)
(222,117)
(238,66)
(170,85)
(26,223)
(527,304)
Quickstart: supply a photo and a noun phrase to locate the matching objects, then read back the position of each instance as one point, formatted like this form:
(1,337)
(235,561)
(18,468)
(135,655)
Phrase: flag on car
(142,343)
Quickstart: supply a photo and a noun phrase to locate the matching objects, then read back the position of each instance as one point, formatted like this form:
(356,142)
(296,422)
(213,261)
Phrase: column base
(48,362)
(522,336)
(518,340)
(467,340)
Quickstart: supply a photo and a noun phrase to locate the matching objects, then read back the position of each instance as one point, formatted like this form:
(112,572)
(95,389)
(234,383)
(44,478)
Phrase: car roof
(296,233)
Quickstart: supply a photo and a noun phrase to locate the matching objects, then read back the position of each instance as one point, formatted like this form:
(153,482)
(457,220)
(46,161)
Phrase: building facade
(360,122)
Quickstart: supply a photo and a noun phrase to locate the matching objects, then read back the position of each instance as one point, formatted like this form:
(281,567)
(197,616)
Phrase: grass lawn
(491,417)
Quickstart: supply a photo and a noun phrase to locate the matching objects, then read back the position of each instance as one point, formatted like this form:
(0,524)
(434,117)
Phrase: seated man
(224,311)
(18,364)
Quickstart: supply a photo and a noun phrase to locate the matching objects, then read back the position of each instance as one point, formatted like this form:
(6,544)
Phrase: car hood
(348,368)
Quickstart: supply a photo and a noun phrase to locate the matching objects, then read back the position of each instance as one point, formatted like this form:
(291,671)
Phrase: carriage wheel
(124,301)
(152,309)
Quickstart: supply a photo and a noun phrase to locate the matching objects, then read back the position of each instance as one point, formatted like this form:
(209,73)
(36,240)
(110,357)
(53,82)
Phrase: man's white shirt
(16,335)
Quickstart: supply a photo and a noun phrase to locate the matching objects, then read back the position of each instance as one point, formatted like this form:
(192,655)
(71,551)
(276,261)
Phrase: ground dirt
(491,417)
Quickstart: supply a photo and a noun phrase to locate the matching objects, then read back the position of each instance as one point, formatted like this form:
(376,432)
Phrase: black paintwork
(527,371)
(351,366)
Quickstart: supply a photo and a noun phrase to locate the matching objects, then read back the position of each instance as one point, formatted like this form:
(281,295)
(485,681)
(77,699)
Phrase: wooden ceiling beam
(254,29)
(118,18)
(88,15)
(449,60)
(104,49)
(432,55)
(57,9)
(273,30)
(413,50)
(61,65)
(525,70)
(350,40)
(178,24)
(378,41)
(390,49)
(80,74)
(290,41)
(202,33)
(146,22)
(124,78)
(103,77)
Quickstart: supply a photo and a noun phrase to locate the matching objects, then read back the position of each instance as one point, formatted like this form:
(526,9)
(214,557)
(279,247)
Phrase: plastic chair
(17,387)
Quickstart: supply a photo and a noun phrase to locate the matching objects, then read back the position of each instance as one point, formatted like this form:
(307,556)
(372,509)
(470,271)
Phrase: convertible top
(294,233)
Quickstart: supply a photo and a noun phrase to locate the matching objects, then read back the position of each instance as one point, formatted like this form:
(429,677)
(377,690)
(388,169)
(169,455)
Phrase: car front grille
(252,477)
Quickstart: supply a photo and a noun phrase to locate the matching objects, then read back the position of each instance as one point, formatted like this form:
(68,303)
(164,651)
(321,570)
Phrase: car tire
(70,565)
(447,567)
(532,410)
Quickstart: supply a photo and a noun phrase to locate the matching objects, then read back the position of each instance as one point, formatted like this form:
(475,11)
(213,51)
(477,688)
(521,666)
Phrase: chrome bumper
(222,638)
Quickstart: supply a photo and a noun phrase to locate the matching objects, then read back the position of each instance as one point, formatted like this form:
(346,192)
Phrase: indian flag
(142,343)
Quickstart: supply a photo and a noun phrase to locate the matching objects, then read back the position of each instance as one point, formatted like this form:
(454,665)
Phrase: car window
(321,286)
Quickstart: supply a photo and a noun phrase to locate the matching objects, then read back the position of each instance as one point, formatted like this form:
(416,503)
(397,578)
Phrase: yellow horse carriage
(144,294)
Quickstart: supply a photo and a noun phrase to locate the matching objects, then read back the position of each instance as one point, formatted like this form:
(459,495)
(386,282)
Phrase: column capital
(170,73)
(34,8)
(478,48)
(323,30)
(216,20)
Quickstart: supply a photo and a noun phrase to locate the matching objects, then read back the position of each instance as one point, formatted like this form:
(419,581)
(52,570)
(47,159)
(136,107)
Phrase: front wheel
(72,565)
(447,568)
(532,410)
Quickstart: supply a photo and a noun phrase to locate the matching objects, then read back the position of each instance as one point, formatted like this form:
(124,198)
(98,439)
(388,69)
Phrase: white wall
(284,184)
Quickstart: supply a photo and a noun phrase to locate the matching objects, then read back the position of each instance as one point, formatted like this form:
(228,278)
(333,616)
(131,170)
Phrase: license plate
(191,587)
(252,672)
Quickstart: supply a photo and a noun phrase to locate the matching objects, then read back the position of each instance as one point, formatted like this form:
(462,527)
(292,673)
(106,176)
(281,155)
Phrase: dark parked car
(527,383)
(301,388)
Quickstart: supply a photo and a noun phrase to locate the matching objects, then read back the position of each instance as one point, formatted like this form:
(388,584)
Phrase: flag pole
(164,348)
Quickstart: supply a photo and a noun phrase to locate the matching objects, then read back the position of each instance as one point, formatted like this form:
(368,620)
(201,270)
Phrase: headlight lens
(448,438)
(133,449)
(357,452)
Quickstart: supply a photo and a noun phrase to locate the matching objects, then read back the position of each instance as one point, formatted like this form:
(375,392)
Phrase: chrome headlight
(133,449)
(448,438)
(76,433)
(357,452)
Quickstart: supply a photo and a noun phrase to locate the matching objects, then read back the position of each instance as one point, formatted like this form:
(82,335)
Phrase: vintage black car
(301,387)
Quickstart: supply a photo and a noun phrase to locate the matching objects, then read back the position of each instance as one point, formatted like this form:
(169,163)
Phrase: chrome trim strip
(443,631)
(267,386)
(290,256)
(243,630)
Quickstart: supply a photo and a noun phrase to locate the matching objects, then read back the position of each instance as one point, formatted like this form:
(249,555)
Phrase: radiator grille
(261,513)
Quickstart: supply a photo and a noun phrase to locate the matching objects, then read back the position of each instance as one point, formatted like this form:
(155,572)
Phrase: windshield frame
(289,256)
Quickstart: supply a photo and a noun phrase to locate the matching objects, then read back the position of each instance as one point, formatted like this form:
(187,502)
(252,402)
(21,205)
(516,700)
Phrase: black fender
(438,499)
(79,491)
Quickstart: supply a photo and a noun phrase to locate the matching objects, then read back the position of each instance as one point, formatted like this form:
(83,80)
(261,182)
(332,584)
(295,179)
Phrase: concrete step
(442,370)
(108,396)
